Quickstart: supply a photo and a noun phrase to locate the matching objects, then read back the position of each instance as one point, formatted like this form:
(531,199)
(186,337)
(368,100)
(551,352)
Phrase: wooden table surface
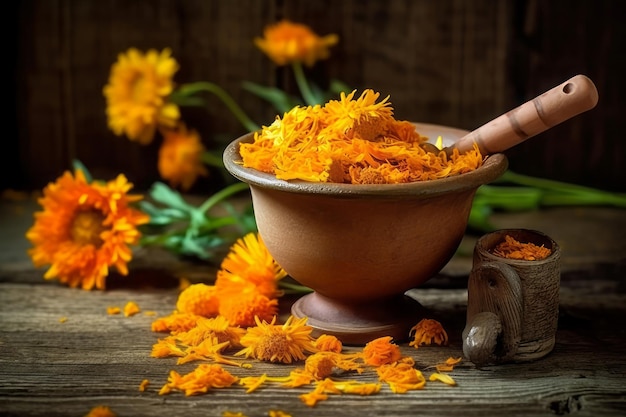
(53,368)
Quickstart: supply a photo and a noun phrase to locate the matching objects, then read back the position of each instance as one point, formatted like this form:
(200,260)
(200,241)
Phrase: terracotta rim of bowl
(494,167)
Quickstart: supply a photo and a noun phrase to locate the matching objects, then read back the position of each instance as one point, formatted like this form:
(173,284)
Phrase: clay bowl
(361,247)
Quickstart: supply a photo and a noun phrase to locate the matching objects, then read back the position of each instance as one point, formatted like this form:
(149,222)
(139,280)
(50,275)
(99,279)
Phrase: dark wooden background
(452,62)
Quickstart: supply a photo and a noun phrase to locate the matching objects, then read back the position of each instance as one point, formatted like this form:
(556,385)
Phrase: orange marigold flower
(208,328)
(242,309)
(286,42)
(328,343)
(427,332)
(278,343)
(381,351)
(180,157)
(137,92)
(101,411)
(351,140)
(199,299)
(131,308)
(199,381)
(175,323)
(84,229)
(249,262)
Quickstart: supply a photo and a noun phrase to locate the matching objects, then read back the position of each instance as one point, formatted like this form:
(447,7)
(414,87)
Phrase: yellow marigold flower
(381,351)
(427,332)
(101,411)
(131,308)
(278,343)
(328,343)
(84,229)
(137,93)
(199,381)
(180,157)
(401,377)
(249,262)
(175,323)
(243,308)
(285,42)
(199,299)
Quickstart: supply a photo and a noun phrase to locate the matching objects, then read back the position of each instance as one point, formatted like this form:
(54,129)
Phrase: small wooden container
(513,305)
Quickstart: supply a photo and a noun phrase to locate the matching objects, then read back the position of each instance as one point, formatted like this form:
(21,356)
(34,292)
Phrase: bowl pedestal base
(359,323)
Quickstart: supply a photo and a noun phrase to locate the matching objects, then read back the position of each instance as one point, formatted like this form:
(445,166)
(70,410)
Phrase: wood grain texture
(49,368)
(450,62)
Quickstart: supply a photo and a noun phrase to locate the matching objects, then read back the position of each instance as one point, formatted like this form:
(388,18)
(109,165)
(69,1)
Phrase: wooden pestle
(574,96)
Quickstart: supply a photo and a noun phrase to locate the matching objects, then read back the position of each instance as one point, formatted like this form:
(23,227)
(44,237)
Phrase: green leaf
(163,194)
(281,101)
(78,165)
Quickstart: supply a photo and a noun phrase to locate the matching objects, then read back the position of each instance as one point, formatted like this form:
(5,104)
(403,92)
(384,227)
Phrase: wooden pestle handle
(574,96)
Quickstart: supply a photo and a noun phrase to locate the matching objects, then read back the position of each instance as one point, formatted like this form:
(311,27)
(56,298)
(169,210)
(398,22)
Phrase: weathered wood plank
(92,358)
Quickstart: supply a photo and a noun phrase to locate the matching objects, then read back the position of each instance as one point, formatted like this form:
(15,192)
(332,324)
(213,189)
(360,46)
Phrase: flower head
(381,351)
(84,229)
(249,262)
(180,157)
(278,343)
(328,343)
(427,332)
(199,299)
(286,42)
(137,92)
(242,308)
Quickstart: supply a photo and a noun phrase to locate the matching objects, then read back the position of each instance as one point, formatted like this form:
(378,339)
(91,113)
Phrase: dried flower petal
(381,351)
(446,379)
(510,248)
(427,332)
(101,411)
(199,381)
(131,308)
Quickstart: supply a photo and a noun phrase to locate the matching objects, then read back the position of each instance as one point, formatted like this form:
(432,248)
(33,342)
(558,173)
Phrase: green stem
(303,84)
(222,194)
(212,160)
(294,288)
(189,89)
